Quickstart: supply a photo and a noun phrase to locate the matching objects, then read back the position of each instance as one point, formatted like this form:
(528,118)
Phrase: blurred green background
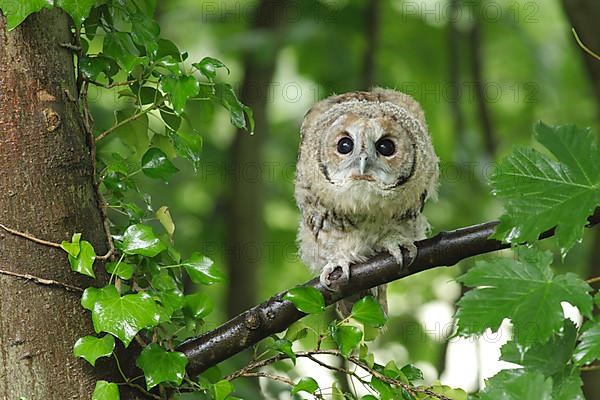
(484,71)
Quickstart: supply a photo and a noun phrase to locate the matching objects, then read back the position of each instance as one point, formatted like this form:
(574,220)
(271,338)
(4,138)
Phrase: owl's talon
(328,270)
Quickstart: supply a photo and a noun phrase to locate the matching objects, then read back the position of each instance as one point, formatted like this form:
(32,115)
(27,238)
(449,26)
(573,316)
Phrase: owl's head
(369,145)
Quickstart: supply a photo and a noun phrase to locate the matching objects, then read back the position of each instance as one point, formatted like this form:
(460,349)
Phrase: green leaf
(92,348)
(161,366)
(145,32)
(133,133)
(172,120)
(120,46)
(84,261)
(222,389)
(120,269)
(72,248)
(208,67)
(448,392)
(306,384)
(412,373)
(368,312)
(92,67)
(347,338)
(180,89)
(540,192)
(199,305)
(568,387)
(517,384)
(550,357)
(155,164)
(16,11)
(285,347)
(168,49)
(306,299)
(385,391)
(588,350)
(123,316)
(140,239)
(188,146)
(524,290)
(105,391)
(225,95)
(202,270)
(77,9)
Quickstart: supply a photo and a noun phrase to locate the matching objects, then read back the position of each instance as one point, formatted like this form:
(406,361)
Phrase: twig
(589,368)
(248,370)
(125,121)
(109,86)
(30,237)
(593,280)
(277,314)
(42,281)
(583,46)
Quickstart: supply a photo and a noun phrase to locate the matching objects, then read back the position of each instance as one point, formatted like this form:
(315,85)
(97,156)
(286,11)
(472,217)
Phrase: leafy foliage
(541,192)
(523,290)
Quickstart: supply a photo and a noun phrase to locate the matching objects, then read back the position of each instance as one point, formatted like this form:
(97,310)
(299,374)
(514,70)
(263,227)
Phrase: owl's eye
(385,147)
(345,145)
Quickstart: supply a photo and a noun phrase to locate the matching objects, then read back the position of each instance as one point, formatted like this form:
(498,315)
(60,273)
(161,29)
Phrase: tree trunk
(245,217)
(47,190)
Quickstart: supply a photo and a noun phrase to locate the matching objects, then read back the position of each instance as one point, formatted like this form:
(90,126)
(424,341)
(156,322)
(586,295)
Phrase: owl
(366,166)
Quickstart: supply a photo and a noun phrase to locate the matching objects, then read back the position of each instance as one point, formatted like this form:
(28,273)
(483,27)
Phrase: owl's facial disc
(367,152)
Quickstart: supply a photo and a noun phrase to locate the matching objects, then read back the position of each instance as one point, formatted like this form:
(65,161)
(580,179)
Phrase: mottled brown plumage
(365,168)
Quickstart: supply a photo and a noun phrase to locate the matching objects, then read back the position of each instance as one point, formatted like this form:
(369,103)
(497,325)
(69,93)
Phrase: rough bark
(276,314)
(245,205)
(46,190)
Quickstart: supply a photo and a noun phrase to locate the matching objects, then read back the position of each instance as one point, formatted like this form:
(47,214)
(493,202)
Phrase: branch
(276,314)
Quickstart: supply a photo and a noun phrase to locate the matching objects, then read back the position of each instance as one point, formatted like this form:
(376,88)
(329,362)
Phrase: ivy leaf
(105,391)
(72,248)
(188,146)
(124,316)
(84,261)
(517,384)
(222,389)
(92,67)
(92,348)
(140,239)
(120,269)
(133,133)
(199,305)
(180,90)
(225,95)
(208,67)
(155,164)
(448,392)
(145,32)
(588,350)
(120,46)
(202,270)
(306,384)
(540,192)
(168,49)
(568,387)
(347,338)
(285,347)
(524,290)
(16,11)
(412,373)
(369,312)
(550,357)
(77,9)
(161,366)
(306,299)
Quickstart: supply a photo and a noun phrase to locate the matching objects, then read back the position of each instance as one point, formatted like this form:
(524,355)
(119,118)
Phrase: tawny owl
(365,168)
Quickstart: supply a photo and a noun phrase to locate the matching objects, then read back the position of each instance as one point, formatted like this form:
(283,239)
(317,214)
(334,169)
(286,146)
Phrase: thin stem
(125,121)
(29,237)
(593,280)
(583,46)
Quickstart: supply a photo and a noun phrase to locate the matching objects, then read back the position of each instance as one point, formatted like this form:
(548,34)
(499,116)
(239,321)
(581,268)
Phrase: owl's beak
(363,163)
